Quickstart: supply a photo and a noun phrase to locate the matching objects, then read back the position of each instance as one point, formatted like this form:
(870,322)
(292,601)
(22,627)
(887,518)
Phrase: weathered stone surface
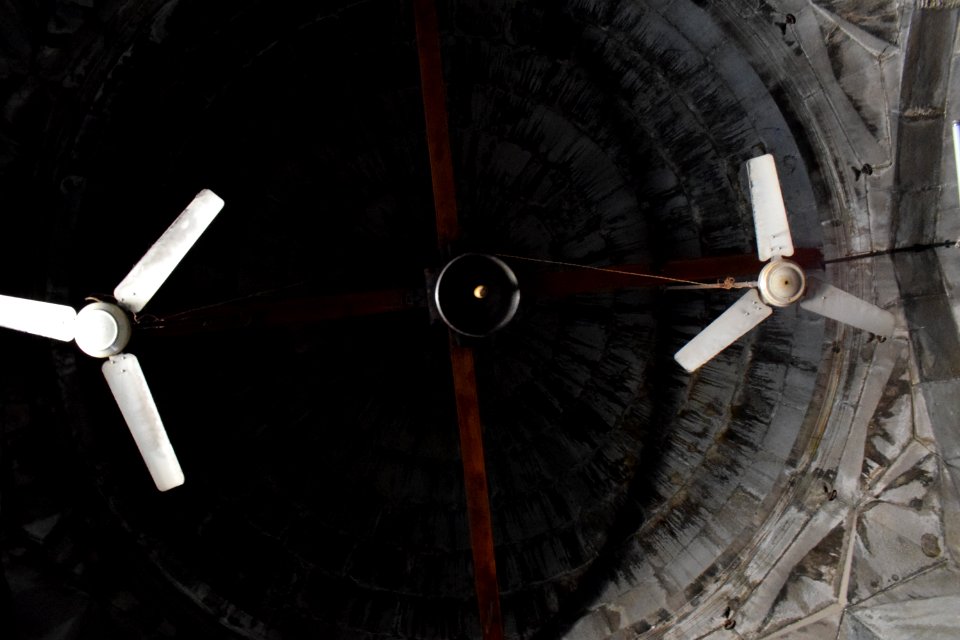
(898,537)
(880,18)
(812,585)
(823,624)
(933,618)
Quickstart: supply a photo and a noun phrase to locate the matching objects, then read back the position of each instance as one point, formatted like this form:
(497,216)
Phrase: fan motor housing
(781,282)
(102,329)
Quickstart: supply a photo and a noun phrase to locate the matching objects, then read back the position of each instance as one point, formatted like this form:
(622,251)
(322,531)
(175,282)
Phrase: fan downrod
(781,282)
(102,329)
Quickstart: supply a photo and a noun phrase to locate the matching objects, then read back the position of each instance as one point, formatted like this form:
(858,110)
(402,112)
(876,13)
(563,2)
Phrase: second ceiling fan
(102,330)
(780,283)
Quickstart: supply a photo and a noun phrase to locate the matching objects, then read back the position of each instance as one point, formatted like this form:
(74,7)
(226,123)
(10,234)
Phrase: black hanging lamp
(476,294)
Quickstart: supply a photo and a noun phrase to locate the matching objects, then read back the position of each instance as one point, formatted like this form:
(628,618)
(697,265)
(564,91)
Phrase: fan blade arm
(156,265)
(129,387)
(745,314)
(769,212)
(829,301)
(45,319)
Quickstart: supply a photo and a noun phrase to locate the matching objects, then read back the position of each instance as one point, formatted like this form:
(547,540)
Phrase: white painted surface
(769,212)
(129,387)
(148,275)
(837,304)
(39,318)
(745,314)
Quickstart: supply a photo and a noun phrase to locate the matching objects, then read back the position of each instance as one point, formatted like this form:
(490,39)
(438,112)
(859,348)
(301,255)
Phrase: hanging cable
(726,284)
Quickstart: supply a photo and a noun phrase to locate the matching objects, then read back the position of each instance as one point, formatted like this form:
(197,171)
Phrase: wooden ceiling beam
(257,312)
(461,357)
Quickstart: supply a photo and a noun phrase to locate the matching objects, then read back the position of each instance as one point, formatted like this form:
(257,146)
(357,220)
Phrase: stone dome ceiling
(803,482)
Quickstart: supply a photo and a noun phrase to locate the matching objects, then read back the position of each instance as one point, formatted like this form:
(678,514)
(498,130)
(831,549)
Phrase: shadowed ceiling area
(324,492)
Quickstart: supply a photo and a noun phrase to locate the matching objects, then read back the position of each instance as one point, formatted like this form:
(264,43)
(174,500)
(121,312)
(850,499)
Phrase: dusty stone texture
(933,618)
(812,585)
(880,18)
(892,427)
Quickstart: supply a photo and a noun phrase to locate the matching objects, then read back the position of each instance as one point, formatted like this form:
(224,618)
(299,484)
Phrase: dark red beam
(274,312)
(461,358)
(478,497)
(747,265)
(435,113)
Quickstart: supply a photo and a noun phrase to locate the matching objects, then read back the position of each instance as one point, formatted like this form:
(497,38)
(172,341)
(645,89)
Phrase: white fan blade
(39,318)
(129,387)
(841,306)
(769,213)
(147,276)
(745,314)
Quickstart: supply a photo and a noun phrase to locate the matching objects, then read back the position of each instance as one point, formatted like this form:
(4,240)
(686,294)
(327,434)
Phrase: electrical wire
(726,284)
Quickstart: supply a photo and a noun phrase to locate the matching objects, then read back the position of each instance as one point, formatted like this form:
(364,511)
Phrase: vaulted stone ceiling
(802,483)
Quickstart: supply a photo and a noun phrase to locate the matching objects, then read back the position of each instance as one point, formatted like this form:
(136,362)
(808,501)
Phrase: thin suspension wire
(697,285)
(726,284)
(187,312)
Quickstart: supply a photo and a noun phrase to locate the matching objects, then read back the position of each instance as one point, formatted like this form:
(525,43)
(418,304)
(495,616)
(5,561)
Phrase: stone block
(929,618)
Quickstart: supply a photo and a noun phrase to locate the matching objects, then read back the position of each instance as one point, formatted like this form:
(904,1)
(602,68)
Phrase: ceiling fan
(102,330)
(781,282)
